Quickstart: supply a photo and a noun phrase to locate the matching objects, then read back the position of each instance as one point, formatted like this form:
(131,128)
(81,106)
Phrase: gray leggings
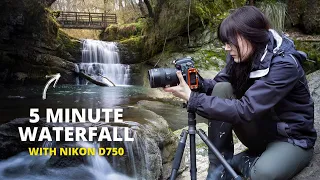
(278,160)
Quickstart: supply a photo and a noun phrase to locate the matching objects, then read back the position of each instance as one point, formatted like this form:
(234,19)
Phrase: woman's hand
(182,90)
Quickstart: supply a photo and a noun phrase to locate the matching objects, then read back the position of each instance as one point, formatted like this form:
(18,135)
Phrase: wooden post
(76,18)
(102,19)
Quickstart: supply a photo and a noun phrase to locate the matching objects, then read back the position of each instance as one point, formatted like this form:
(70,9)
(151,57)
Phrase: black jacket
(279,87)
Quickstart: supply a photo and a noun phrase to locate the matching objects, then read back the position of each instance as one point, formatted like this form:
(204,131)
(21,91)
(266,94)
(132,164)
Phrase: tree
(149,7)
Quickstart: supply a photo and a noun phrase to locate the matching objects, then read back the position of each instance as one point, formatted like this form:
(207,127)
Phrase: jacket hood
(277,45)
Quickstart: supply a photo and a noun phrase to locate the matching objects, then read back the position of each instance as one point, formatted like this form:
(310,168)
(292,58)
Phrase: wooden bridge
(85,20)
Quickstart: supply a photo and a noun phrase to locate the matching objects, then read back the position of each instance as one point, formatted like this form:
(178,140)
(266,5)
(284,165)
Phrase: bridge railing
(85,19)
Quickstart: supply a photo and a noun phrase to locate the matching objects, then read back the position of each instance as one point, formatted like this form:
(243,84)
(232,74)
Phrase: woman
(262,94)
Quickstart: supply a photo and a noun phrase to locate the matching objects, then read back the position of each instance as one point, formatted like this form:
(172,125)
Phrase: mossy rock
(206,59)
(213,12)
(122,32)
(69,48)
(313,51)
(131,50)
(304,15)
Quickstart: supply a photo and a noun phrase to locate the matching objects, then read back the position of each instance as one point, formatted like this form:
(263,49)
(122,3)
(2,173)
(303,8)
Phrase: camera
(165,77)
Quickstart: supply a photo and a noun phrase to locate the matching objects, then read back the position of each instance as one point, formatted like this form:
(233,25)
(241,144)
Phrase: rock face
(31,45)
(305,15)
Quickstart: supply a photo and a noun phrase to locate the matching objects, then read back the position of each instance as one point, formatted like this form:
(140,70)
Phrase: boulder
(304,15)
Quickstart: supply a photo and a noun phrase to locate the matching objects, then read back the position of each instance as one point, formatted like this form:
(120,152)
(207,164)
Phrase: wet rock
(65,161)
(10,142)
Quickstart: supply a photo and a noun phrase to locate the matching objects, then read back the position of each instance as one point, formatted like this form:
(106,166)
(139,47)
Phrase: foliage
(213,12)
(276,12)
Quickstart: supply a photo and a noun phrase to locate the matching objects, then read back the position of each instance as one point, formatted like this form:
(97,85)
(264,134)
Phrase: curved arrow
(55,78)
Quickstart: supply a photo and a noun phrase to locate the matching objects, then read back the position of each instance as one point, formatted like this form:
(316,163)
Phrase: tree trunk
(149,7)
(140,4)
(105,6)
(158,9)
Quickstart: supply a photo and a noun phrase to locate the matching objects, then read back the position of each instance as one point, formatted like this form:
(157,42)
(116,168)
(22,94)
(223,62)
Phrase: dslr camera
(166,77)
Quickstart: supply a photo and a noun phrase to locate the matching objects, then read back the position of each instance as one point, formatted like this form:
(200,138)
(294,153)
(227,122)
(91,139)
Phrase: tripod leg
(205,138)
(178,155)
(192,133)
(193,160)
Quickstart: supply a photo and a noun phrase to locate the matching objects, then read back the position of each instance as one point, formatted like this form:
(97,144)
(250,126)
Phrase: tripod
(182,143)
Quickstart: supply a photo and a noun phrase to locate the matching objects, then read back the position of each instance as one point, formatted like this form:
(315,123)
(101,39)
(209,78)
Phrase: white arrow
(54,77)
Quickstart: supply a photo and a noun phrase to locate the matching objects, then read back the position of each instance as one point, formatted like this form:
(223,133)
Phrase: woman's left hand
(182,90)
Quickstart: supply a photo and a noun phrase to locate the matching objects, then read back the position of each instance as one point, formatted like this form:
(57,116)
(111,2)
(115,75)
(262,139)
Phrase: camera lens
(162,77)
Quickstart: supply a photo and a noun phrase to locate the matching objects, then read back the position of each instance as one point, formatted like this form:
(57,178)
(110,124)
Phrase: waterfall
(100,59)
(131,166)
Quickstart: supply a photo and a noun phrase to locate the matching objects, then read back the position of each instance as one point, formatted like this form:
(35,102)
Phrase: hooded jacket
(280,88)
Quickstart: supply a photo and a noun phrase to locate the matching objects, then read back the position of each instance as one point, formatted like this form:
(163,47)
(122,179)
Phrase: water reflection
(17,101)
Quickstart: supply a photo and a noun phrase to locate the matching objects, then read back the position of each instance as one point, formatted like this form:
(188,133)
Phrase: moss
(313,51)
(213,12)
(51,16)
(64,39)
(135,43)
(207,59)
(122,32)
(67,44)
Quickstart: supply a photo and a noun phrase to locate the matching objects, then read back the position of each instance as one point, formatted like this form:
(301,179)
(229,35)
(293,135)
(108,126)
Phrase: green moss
(134,41)
(207,59)
(122,32)
(213,12)
(135,44)
(51,16)
(313,51)
(67,44)
(66,40)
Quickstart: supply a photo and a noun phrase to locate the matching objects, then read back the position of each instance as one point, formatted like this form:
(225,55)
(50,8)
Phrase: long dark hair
(249,23)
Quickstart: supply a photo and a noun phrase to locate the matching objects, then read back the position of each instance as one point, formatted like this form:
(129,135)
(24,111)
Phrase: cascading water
(96,168)
(101,59)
